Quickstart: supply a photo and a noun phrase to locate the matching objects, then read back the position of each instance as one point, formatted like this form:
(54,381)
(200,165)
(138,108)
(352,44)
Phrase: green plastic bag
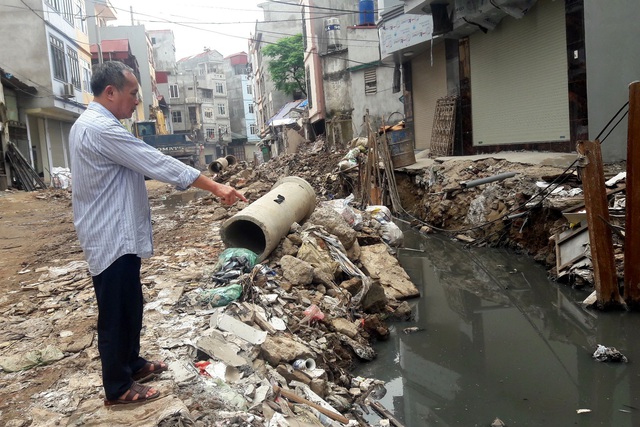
(217,297)
(230,253)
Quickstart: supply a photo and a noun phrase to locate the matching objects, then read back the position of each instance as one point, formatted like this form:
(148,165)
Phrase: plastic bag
(349,214)
(391,234)
(249,256)
(379,212)
(218,297)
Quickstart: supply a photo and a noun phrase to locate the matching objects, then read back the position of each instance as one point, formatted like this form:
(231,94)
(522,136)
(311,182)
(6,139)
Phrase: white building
(46,46)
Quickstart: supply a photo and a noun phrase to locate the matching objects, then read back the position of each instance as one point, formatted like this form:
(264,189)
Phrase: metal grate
(444,127)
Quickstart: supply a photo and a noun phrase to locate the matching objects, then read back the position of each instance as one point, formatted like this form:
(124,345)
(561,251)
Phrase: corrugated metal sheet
(519,89)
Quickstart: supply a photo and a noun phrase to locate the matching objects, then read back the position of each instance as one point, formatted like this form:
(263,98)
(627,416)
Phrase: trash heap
(248,343)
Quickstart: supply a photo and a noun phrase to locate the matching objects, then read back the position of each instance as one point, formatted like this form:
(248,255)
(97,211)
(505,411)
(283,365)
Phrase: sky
(219,25)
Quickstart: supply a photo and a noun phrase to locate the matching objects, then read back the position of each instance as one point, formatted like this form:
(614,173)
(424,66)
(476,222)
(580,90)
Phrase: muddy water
(499,340)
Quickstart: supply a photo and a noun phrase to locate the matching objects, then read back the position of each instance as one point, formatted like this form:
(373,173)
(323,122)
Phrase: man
(113,221)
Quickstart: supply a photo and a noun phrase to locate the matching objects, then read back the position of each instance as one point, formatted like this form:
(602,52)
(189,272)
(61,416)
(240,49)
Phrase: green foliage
(287,64)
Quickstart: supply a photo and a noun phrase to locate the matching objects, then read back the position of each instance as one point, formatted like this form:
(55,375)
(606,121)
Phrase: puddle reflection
(501,340)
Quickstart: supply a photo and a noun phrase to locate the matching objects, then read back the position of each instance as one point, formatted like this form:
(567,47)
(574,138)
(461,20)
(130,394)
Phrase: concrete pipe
(260,226)
(222,163)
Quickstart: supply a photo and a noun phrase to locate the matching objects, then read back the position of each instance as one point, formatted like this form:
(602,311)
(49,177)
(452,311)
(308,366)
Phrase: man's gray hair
(108,73)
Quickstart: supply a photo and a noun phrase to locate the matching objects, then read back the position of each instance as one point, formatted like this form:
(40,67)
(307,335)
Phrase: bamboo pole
(632,221)
(600,239)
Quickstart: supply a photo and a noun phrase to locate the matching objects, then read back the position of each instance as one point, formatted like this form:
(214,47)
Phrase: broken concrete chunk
(377,262)
(283,349)
(343,326)
(375,300)
(182,373)
(296,271)
(333,222)
(226,323)
(216,347)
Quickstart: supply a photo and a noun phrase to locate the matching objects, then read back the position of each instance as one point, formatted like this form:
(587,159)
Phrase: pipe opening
(245,234)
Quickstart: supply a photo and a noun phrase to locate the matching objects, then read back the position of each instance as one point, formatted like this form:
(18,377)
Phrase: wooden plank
(632,224)
(604,269)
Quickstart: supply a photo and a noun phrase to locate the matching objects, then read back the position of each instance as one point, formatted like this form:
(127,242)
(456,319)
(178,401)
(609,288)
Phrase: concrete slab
(559,160)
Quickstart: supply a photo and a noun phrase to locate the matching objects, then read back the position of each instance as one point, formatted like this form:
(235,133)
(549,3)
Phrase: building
(164,50)
(345,76)
(199,102)
(142,49)
(244,130)
(47,48)
(532,74)
(281,20)
(119,50)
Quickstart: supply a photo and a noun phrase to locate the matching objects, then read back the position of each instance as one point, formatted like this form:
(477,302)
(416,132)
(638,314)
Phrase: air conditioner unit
(68,91)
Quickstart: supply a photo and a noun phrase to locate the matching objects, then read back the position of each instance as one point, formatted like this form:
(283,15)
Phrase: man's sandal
(149,371)
(137,393)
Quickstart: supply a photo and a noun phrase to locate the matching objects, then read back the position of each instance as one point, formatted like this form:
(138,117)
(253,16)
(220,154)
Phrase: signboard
(404,31)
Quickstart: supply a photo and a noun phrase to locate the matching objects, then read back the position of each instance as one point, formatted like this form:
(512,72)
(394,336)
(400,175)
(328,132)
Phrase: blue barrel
(367,15)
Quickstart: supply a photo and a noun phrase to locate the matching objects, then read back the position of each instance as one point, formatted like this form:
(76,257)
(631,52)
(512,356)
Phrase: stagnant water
(500,340)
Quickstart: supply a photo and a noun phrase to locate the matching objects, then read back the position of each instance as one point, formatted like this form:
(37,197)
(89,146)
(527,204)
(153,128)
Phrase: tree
(287,64)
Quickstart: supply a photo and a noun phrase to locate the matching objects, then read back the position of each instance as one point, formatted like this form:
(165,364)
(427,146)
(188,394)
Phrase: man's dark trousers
(119,294)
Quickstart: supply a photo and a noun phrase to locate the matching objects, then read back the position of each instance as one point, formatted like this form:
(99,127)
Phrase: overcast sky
(221,25)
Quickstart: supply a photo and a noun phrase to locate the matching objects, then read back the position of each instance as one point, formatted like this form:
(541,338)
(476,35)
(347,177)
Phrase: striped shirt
(110,203)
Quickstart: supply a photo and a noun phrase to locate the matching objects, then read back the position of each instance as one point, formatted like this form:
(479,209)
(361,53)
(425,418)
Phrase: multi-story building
(534,74)
(345,77)
(281,20)
(164,55)
(46,46)
(199,101)
(142,49)
(244,131)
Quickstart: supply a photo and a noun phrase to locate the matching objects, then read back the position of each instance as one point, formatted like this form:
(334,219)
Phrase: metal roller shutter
(429,84)
(519,88)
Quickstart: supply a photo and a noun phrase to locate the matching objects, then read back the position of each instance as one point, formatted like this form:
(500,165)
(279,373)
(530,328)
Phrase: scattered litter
(608,354)
(412,330)
(218,297)
(583,411)
(611,182)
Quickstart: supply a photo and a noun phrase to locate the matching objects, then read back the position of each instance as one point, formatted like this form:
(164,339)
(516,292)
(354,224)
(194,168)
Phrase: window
(211,133)
(86,76)
(249,90)
(173,91)
(176,116)
(74,67)
(206,93)
(202,69)
(370,82)
(54,4)
(57,59)
(222,110)
(67,11)
(153,40)
(253,128)
(79,16)
(208,113)
(251,108)
(219,88)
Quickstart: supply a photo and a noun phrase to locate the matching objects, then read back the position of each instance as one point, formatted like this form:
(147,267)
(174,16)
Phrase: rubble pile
(304,316)
(525,212)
